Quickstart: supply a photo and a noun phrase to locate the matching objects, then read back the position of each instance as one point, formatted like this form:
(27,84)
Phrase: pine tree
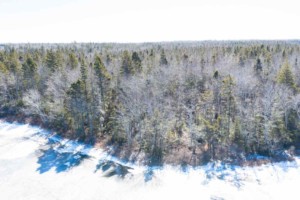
(91,102)
(102,75)
(13,63)
(284,54)
(73,61)
(285,76)
(228,103)
(236,136)
(30,76)
(258,66)
(76,108)
(83,72)
(53,60)
(111,125)
(259,138)
(127,67)
(137,62)
(216,74)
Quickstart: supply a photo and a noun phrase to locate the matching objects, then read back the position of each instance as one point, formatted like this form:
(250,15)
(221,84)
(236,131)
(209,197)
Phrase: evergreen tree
(284,54)
(91,102)
(30,75)
(73,61)
(259,138)
(83,72)
(13,63)
(127,67)
(76,108)
(111,122)
(285,76)
(216,74)
(236,136)
(137,62)
(53,60)
(228,104)
(258,66)
(103,77)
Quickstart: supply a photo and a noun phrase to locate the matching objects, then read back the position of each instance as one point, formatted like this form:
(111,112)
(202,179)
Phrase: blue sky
(146,21)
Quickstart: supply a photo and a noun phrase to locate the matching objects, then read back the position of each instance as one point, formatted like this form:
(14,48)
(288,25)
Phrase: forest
(172,102)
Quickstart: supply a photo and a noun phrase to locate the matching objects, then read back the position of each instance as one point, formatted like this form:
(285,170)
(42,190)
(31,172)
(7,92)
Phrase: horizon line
(153,42)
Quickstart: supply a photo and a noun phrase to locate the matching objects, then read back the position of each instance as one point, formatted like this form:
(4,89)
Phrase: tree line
(222,99)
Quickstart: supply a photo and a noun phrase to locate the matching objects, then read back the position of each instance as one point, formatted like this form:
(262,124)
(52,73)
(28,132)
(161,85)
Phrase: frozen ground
(34,164)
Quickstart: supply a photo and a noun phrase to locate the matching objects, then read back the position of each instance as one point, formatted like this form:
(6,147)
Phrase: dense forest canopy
(193,100)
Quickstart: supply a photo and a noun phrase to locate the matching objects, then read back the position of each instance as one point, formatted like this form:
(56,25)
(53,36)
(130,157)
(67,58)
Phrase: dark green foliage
(127,67)
(237,137)
(285,76)
(53,60)
(103,77)
(29,69)
(73,61)
(12,62)
(83,71)
(258,66)
(77,108)
(112,125)
(137,62)
(216,74)
(284,53)
(291,131)
(259,139)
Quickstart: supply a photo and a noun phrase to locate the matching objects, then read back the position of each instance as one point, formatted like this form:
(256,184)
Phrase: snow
(35,164)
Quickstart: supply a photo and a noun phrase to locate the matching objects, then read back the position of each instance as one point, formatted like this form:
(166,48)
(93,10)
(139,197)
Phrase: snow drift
(35,164)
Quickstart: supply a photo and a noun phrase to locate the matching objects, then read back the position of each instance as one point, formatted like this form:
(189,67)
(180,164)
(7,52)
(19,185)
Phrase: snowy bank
(34,164)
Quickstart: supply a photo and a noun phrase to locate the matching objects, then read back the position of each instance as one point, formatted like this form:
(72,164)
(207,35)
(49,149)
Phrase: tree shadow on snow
(111,168)
(61,157)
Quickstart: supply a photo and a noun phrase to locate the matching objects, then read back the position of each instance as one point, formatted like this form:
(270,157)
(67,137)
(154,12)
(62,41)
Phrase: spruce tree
(258,66)
(137,62)
(73,61)
(228,103)
(30,76)
(76,107)
(53,60)
(285,76)
(102,75)
(127,67)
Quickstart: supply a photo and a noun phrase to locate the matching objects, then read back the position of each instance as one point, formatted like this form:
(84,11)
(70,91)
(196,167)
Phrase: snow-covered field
(34,164)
